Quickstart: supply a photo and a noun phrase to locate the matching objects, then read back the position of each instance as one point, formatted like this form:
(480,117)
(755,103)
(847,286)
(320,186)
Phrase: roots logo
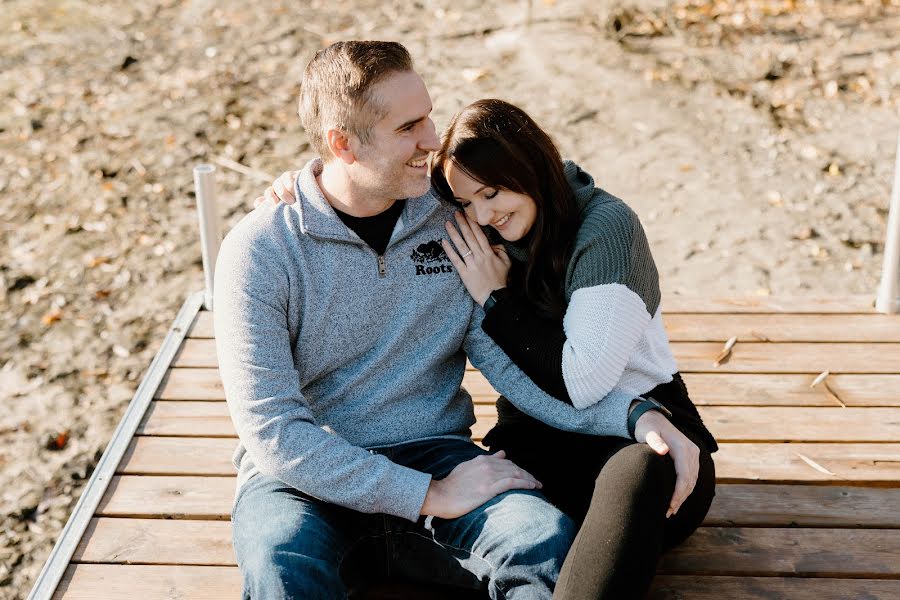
(430,258)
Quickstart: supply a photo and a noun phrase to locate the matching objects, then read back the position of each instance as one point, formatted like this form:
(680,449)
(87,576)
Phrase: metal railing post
(210,226)
(888,301)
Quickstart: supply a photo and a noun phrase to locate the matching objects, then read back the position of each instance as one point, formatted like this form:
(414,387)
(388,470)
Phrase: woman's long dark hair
(499,145)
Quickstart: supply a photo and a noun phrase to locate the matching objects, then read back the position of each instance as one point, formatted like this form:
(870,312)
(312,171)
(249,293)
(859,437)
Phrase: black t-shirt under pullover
(375,230)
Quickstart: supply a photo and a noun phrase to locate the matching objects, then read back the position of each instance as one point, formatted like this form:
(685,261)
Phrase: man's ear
(339,144)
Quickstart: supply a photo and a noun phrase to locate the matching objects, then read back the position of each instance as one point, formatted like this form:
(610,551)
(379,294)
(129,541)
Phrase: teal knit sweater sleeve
(612,289)
(611,248)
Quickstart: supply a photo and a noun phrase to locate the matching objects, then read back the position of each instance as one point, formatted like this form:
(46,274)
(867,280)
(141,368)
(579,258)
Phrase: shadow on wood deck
(809,477)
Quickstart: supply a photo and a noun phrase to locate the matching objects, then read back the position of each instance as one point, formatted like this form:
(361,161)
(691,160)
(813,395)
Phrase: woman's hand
(281,190)
(483,268)
(654,429)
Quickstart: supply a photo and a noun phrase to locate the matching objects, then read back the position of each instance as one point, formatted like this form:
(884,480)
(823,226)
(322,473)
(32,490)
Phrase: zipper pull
(382,268)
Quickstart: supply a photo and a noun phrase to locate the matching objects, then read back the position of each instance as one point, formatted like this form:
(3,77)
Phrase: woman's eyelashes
(487,196)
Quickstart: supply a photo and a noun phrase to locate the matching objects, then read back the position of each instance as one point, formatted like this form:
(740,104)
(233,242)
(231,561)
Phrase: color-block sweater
(326,349)
(612,339)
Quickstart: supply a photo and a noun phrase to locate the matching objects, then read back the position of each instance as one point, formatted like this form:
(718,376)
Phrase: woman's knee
(638,467)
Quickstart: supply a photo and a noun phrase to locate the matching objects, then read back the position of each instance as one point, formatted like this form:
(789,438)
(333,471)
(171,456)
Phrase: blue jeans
(290,545)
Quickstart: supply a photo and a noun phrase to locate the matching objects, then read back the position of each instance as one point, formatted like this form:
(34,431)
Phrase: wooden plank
(148,496)
(735,462)
(178,456)
(197,353)
(687,587)
(764,505)
(820,424)
(706,388)
(777,424)
(211,419)
(673,303)
(206,384)
(202,327)
(703,326)
(758,357)
(782,328)
(710,550)
(152,582)
(867,553)
(877,464)
(180,418)
(476,384)
(781,425)
(148,582)
(741,311)
(191,384)
(482,427)
(757,505)
(156,541)
(177,582)
(755,357)
(791,390)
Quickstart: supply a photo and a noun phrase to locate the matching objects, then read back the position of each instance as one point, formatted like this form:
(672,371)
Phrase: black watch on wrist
(646,404)
(495,297)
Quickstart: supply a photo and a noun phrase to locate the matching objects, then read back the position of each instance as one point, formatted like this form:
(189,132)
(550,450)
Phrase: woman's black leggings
(619,491)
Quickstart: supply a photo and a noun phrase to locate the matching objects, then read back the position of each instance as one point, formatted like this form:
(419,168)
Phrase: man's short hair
(336,91)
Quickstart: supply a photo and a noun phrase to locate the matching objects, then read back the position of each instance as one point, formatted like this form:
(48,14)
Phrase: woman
(571,294)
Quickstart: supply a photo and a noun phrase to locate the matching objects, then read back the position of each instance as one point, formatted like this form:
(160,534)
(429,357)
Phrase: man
(341,331)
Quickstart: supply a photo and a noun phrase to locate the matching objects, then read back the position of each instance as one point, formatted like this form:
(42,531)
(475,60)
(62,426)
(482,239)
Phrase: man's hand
(281,190)
(473,483)
(654,429)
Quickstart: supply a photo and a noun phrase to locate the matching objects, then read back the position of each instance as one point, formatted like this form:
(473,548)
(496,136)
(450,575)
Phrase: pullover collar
(318,219)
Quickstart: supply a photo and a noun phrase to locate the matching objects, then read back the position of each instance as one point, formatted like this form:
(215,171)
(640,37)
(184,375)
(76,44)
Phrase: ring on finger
(467,254)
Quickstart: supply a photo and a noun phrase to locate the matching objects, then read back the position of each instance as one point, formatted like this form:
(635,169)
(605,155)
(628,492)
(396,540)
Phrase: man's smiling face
(394,162)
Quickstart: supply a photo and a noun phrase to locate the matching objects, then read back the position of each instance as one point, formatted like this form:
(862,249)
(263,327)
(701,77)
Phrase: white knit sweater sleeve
(603,326)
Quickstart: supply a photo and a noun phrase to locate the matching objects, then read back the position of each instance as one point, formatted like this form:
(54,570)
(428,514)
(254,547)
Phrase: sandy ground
(755,139)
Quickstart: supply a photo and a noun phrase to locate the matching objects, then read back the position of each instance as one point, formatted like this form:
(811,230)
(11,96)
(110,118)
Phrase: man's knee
(288,561)
(283,573)
(532,524)
(286,547)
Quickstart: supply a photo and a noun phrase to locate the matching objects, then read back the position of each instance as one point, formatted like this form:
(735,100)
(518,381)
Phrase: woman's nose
(483,214)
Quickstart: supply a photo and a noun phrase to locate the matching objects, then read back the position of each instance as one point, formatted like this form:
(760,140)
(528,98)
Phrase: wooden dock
(808,501)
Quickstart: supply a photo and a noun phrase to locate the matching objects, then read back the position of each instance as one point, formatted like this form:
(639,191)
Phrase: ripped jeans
(290,545)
